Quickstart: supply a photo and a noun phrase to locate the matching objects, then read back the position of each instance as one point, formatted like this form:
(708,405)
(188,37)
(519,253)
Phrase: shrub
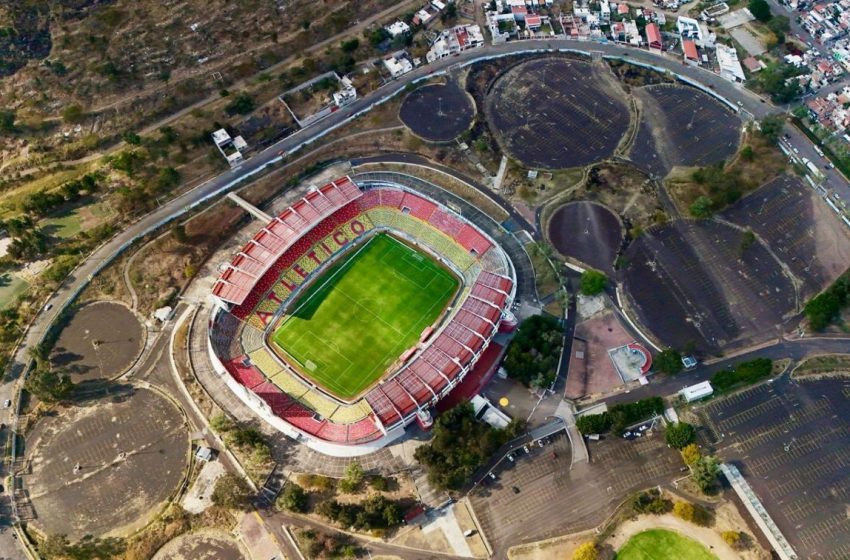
(685,511)
(460,444)
(586,551)
(594,423)
(668,361)
(705,471)
(593,282)
(732,538)
(293,498)
(379,483)
(680,434)
(745,373)
(691,454)
(232,492)
(650,501)
(534,352)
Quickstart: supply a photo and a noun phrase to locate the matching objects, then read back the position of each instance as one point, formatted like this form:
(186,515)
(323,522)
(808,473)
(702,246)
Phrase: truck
(814,169)
(819,151)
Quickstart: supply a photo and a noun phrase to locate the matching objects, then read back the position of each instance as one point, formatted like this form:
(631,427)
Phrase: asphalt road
(215,187)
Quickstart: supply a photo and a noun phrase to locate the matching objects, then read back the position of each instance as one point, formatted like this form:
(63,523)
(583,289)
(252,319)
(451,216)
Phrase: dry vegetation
(757,162)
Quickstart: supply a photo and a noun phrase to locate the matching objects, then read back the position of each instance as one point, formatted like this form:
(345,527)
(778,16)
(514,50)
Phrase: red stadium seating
(391,197)
(369,200)
(363,431)
(472,240)
(446,223)
(494,281)
(484,293)
(419,207)
(246,375)
(277,400)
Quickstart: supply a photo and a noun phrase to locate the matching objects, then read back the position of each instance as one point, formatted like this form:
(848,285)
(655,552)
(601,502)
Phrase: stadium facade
(265,278)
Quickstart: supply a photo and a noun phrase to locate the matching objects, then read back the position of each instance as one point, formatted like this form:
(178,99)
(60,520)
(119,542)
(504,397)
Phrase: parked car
(7,403)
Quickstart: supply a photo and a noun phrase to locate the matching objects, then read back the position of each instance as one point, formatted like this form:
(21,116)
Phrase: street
(215,187)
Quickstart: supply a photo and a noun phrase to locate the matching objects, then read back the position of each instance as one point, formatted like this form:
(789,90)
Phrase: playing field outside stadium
(363,313)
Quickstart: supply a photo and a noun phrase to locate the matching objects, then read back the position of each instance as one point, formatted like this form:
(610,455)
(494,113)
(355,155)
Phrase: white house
(397,66)
(730,66)
(397,28)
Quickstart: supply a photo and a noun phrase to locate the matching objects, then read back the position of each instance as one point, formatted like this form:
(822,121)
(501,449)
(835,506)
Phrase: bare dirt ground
(131,450)
(594,374)
(206,544)
(101,341)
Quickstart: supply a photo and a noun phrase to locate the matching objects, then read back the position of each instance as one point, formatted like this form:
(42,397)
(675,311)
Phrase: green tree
(73,114)
(293,498)
(533,355)
(668,361)
(354,473)
(760,10)
(460,443)
(771,127)
(48,384)
(775,79)
(131,137)
(593,282)
(680,434)
(7,120)
(242,104)
(705,471)
(589,424)
(350,45)
(701,207)
(232,492)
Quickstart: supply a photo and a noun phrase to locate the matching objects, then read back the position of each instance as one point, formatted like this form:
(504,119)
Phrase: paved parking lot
(555,500)
(790,441)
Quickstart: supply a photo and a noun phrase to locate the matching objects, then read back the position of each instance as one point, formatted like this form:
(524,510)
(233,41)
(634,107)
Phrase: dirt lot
(700,284)
(131,449)
(788,438)
(101,341)
(799,228)
(588,233)
(555,113)
(437,112)
(202,545)
(682,126)
(595,373)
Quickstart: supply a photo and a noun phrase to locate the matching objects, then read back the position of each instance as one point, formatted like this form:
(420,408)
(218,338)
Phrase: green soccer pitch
(363,313)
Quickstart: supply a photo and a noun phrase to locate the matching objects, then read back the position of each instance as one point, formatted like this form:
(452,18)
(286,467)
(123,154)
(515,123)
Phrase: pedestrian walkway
(566,410)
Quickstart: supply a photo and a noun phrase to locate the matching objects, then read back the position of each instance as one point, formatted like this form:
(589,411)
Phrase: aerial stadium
(352,313)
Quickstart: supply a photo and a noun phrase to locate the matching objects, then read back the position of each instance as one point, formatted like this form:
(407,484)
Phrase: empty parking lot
(790,441)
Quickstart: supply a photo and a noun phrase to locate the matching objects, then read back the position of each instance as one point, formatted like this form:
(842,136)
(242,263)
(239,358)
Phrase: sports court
(358,318)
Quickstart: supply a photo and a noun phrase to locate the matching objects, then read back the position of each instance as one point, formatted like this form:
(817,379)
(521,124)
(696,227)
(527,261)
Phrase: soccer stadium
(355,310)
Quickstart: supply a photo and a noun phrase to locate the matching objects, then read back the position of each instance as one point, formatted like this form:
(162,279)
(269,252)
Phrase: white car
(7,403)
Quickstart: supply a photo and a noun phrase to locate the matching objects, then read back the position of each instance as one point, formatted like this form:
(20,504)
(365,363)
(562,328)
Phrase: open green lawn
(11,286)
(357,319)
(70,221)
(660,544)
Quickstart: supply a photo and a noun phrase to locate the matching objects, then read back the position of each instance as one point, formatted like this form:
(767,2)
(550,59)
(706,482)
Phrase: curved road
(217,186)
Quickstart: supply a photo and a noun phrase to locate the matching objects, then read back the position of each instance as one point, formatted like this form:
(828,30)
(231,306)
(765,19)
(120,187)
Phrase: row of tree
(533,356)
(620,416)
(460,444)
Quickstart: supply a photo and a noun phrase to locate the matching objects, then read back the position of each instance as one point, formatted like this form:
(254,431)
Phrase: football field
(359,317)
